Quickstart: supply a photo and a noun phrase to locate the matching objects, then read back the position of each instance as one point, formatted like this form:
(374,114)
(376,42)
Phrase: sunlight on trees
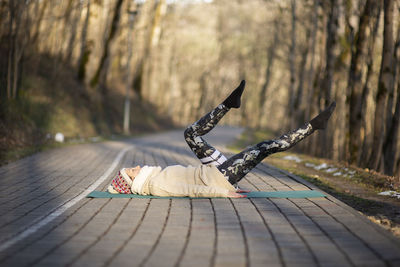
(184,56)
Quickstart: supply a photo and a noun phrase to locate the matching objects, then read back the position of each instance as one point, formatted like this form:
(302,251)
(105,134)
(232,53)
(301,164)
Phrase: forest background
(75,65)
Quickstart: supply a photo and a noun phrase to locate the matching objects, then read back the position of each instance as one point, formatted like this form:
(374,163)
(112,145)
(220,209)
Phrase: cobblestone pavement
(47,221)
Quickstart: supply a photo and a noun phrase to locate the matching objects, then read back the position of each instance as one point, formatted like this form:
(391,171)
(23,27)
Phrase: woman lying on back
(216,175)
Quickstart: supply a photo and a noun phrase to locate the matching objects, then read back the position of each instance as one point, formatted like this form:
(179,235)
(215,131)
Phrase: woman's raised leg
(205,152)
(236,167)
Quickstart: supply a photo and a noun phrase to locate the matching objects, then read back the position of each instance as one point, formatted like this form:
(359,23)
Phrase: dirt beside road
(356,187)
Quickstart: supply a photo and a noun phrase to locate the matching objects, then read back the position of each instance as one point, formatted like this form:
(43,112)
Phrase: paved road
(47,221)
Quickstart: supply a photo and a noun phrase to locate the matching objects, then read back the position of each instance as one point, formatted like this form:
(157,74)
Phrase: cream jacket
(177,180)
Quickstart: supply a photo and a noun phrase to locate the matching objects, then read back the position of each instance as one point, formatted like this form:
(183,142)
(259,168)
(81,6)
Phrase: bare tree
(330,58)
(154,38)
(40,11)
(19,36)
(182,61)
(298,98)
(84,48)
(76,15)
(366,88)
(390,144)
(128,71)
(330,49)
(146,18)
(271,55)
(311,70)
(385,81)
(292,63)
(355,81)
(100,76)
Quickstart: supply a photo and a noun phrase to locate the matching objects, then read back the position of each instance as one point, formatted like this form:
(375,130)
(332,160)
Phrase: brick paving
(176,232)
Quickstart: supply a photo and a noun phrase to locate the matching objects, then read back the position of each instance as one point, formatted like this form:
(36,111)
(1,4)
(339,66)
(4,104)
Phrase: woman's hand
(242,191)
(233,194)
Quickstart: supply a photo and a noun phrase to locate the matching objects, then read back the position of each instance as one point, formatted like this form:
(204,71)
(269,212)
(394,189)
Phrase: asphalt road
(46,219)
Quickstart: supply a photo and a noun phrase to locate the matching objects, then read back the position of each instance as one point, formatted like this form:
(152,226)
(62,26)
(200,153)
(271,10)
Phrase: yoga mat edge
(253,194)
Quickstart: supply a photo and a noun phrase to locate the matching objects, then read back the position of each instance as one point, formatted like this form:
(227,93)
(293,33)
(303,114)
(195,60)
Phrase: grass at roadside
(356,187)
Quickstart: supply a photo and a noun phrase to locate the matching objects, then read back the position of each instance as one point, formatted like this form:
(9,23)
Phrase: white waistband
(216,158)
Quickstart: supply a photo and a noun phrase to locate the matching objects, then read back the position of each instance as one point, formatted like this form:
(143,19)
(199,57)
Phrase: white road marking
(44,220)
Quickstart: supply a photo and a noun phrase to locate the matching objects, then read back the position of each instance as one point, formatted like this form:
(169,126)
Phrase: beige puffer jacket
(177,180)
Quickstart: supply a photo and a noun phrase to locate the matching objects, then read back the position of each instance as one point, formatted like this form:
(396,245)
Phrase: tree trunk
(85,49)
(292,64)
(66,18)
(385,80)
(36,32)
(19,21)
(391,91)
(72,37)
(298,100)
(327,81)
(366,88)
(4,9)
(355,83)
(331,44)
(153,40)
(270,63)
(11,42)
(311,70)
(138,81)
(101,72)
(390,145)
(128,72)
(203,94)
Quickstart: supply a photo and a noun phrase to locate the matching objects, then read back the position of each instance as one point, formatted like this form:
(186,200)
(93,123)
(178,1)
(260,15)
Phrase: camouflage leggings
(237,166)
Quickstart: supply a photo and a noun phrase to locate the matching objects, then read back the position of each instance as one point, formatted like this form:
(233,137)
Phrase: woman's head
(133,172)
(122,182)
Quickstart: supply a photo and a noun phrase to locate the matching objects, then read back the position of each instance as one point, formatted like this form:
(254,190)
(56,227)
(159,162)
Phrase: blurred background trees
(184,56)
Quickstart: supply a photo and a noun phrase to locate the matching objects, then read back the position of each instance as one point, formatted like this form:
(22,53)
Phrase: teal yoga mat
(253,194)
